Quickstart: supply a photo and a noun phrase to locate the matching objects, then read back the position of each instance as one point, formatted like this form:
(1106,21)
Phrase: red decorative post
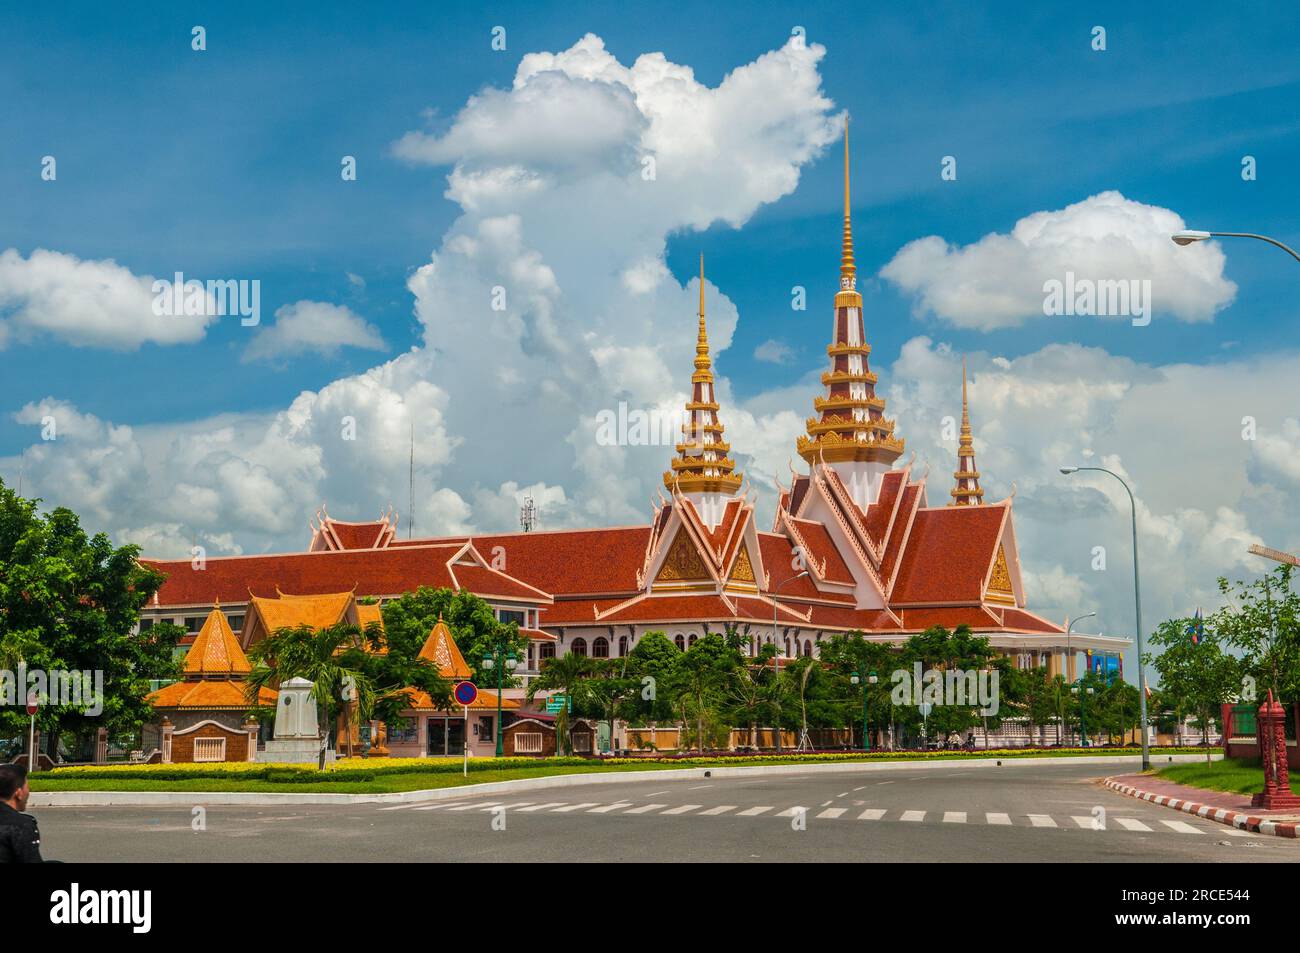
(1272,749)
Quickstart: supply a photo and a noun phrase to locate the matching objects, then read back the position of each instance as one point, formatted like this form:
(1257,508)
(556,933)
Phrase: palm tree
(331,659)
(564,675)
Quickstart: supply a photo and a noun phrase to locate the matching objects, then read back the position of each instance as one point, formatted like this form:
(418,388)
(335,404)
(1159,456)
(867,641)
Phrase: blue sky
(225,164)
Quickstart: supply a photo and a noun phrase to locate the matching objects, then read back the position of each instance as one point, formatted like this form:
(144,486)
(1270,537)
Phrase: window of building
(147,624)
(578,647)
(193,623)
(680,641)
(622,646)
(692,640)
(236,622)
(546,650)
(600,647)
(511,615)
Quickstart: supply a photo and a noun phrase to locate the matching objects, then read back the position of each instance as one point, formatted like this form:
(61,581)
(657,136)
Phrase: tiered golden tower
(852,425)
(702,464)
(967,492)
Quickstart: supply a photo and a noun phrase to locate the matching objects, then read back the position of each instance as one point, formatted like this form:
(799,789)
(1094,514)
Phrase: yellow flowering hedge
(359,769)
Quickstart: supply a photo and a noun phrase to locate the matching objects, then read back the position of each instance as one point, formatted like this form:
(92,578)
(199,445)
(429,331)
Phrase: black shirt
(20,838)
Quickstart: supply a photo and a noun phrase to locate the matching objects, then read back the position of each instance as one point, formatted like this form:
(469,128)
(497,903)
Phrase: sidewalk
(1231,809)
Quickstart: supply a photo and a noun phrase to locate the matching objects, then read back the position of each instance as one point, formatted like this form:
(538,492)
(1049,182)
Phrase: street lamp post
(1137,608)
(490,662)
(855,678)
(1083,723)
(1069,655)
(1188,236)
(775,670)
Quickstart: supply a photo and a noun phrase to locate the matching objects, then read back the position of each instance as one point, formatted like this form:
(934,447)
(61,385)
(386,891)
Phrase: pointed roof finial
(848,270)
(967,492)
(702,464)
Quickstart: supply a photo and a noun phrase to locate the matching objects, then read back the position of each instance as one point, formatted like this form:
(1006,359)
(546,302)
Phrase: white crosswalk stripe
(644,808)
(682,809)
(821,812)
(429,807)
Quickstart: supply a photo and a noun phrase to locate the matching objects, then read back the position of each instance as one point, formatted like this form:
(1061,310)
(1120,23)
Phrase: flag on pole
(1197,628)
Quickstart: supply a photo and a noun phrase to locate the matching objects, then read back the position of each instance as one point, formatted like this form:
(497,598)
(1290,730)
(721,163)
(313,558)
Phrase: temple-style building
(855,543)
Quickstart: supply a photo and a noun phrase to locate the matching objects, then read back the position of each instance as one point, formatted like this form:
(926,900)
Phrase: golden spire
(967,492)
(702,464)
(702,362)
(848,271)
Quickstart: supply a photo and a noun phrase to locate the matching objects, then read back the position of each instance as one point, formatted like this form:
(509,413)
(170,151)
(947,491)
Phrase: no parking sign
(466,693)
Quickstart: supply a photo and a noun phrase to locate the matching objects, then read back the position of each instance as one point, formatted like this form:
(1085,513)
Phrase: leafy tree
(566,674)
(70,602)
(1198,676)
(473,624)
(609,688)
(700,675)
(1262,620)
(331,659)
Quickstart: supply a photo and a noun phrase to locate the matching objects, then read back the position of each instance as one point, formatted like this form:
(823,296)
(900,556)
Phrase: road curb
(250,798)
(1245,822)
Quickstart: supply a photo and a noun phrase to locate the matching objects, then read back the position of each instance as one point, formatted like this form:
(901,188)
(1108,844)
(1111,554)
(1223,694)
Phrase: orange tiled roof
(215,650)
(317,611)
(208,693)
(420,701)
(948,554)
(440,649)
(390,571)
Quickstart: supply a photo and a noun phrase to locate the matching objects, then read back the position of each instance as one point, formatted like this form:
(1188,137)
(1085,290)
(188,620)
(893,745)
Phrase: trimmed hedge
(368,770)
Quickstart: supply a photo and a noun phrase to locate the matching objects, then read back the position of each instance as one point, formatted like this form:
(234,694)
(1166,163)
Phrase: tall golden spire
(848,270)
(851,425)
(702,464)
(967,492)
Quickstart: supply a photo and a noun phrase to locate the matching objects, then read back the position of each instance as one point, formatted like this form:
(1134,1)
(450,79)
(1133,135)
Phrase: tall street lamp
(489,663)
(1189,236)
(775,670)
(1137,608)
(855,678)
(1068,629)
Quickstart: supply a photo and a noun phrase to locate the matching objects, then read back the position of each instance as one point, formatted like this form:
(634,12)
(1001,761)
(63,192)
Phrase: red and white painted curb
(1245,822)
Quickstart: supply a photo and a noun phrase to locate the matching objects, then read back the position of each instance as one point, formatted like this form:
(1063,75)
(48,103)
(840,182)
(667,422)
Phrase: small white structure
(297,737)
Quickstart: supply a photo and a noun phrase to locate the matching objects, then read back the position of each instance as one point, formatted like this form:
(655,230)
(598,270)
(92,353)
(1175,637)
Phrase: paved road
(1018,812)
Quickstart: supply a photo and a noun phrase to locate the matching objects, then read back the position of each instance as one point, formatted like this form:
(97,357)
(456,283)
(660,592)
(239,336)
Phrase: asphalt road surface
(1018,812)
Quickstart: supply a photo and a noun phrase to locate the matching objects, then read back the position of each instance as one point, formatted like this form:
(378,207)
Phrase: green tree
(700,675)
(473,624)
(567,675)
(331,659)
(1196,677)
(1262,621)
(71,602)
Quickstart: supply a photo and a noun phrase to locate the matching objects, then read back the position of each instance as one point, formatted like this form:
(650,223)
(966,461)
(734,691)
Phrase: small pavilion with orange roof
(205,715)
(436,731)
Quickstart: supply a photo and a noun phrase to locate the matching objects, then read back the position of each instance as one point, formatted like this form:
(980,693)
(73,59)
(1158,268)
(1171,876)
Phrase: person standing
(20,838)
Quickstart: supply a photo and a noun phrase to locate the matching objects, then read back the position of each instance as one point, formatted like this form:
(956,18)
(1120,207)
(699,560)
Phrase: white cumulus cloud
(313,327)
(998,281)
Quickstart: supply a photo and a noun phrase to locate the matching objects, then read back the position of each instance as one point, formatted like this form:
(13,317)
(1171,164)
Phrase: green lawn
(1235,775)
(381,777)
